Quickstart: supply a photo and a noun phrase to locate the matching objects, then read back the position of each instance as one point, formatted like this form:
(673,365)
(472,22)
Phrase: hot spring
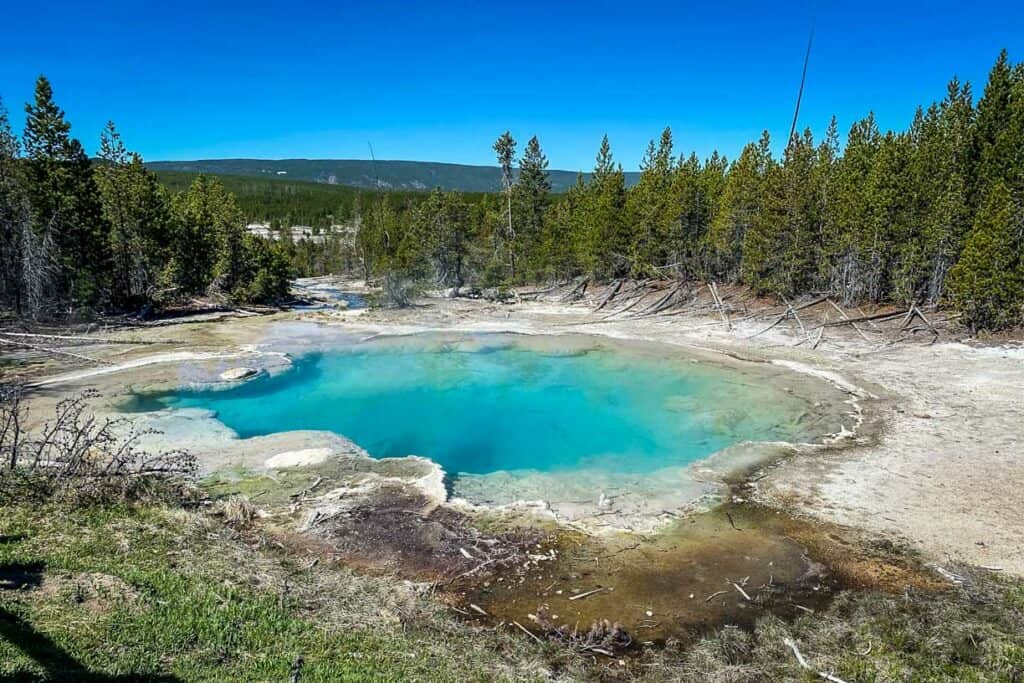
(519,406)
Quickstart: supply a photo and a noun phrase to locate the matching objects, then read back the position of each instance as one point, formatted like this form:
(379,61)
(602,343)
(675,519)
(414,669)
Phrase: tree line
(79,236)
(930,215)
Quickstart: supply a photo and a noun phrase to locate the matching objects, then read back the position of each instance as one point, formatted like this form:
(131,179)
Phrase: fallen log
(821,332)
(877,317)
(577,291)
(846,317)
(660,304)
(580,596)
(635,302)
(776,322)
(813,302)
(526,631)
(94,340)
(55,352)
(796,316)
(538,292)
(610,295)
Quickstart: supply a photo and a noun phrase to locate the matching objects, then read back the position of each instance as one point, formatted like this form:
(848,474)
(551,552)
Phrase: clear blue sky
(439,81)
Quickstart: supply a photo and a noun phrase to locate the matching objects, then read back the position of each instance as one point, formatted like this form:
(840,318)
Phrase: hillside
(388,175)
(294,202)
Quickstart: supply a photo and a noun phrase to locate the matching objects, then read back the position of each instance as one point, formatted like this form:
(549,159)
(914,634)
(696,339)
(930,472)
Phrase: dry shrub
(237,511)
(81,458)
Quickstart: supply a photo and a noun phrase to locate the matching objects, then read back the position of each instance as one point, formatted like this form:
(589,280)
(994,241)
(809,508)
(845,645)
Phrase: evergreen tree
(987,282)
(505,246)
(137,210)
(649,208)
(843,264)
(942,166)
(781,250)
(206,225)
(566,229)
(66,252)
(695,192)
(442,222)
(268,271)
(14,216)
(890,220)
(739,207)
(531,201)
(995,138)
(604,236)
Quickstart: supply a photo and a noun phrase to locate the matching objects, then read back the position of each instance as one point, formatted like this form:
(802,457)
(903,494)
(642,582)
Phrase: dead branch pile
(814,319)
(603,637)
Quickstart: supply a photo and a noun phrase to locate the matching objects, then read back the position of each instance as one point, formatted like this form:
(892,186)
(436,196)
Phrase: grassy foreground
(133,593)
(156,593)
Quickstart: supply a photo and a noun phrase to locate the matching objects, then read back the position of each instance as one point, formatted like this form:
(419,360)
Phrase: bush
(81,458)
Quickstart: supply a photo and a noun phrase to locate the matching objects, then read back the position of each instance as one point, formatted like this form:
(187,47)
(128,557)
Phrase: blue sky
(439,81)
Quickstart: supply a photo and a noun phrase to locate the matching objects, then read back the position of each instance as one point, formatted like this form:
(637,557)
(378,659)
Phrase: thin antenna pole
(803,79)
(373,161)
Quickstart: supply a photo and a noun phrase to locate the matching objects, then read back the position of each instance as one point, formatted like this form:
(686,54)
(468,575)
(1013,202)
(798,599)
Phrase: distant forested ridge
(287,202)
(367,174)
(932,216)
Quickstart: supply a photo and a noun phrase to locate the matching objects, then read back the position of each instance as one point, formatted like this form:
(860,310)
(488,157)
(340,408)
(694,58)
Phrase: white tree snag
(721,307)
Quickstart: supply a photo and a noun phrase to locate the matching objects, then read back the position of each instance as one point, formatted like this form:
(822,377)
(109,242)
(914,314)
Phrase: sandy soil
(938,462)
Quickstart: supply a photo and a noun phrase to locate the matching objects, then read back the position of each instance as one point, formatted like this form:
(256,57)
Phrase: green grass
(148,592)
(178,596)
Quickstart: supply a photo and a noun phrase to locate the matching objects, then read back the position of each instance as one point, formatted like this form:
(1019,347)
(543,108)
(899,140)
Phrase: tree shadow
(21,575)
(58,664)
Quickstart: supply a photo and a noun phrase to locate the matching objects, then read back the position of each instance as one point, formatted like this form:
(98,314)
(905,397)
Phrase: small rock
(237,374)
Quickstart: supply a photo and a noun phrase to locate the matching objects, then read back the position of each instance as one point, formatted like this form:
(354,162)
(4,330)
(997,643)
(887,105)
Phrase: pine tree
(604,236)
(68,256)
(942,165)
(842,266)
(695,192)
(531,202)
(207,241)
(994,139)
(649,208)
(739,207)
(567,229)
(14,217)
(505,148)
(442,224)
(137,210)
(781,249)
(889,221)
(987,282)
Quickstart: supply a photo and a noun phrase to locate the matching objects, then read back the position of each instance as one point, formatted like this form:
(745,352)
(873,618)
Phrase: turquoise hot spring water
(483,405)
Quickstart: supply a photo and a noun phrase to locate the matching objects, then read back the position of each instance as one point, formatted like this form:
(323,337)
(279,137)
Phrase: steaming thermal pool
(481,404)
